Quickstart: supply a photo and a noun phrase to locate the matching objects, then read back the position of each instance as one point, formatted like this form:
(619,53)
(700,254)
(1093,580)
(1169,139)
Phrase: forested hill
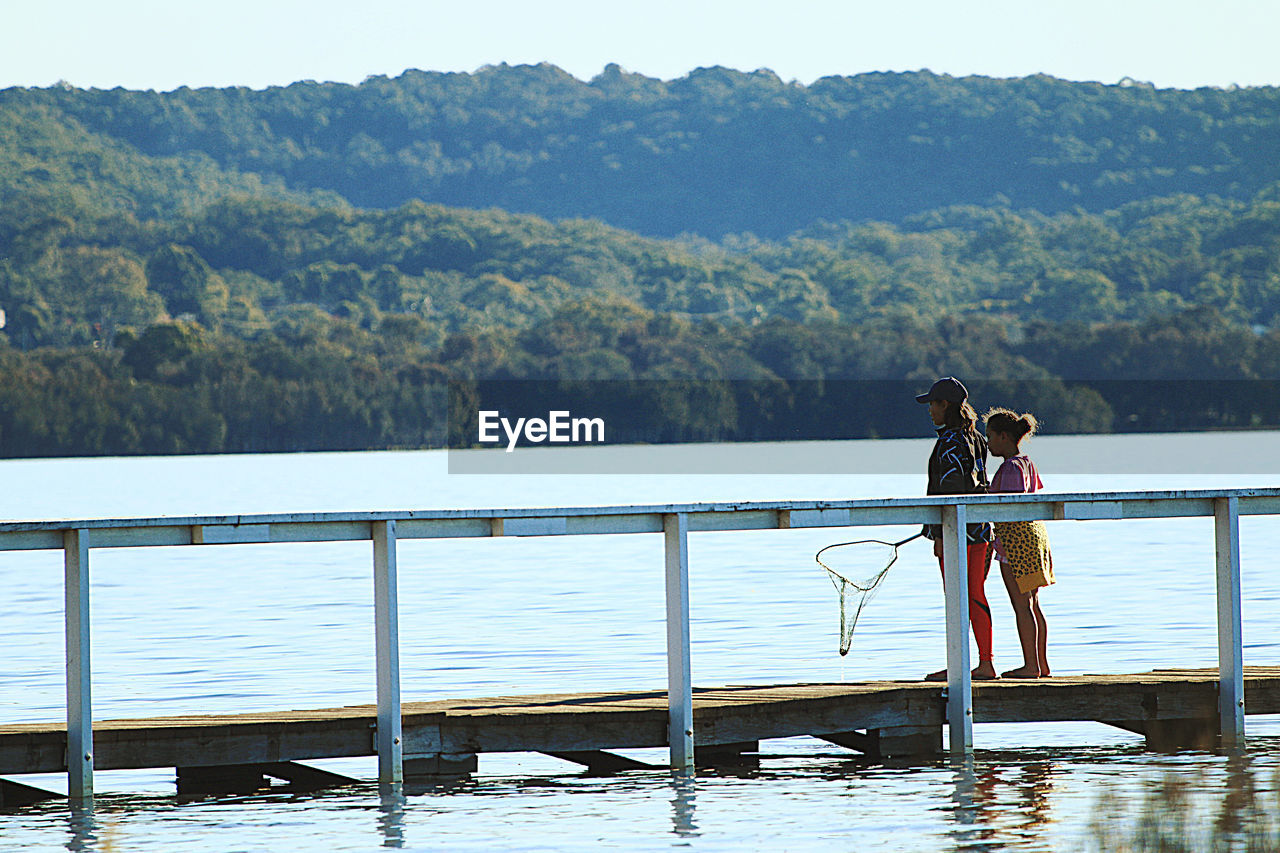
(308,267)
(259,325)
(712,153)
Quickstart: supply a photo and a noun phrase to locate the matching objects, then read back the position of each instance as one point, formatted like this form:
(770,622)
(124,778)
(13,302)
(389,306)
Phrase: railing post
(387,628)
(1226,523)
(75,546)
(675,528)
(955,584)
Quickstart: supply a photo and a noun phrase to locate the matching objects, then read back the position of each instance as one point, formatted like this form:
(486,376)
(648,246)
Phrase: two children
(958,466)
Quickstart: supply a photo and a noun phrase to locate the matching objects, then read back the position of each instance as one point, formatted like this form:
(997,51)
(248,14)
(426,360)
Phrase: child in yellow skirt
(1021,546)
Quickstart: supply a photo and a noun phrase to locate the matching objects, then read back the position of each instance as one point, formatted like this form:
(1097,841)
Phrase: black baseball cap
(947,388)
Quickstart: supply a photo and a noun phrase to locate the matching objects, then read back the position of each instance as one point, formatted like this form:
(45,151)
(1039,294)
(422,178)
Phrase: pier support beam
(1226,524)
(390,740)
(75,545)
(1173,734)
(892,741)
(216,779)
(956,585)
(16,794)
(439,766)
(302,777)
(601,763)
(675,528)
(745,754)
(202,780)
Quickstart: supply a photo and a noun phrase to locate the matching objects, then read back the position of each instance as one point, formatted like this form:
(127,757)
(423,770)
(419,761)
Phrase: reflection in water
(1233,807)
(391,814)
(83,828)
(1240,804)
(970,800)
(683,788)
(964,793)
(994,804)
(1034,786)
(1023,800)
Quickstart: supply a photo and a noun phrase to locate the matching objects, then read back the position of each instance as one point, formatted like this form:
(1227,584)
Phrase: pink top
(1017,474)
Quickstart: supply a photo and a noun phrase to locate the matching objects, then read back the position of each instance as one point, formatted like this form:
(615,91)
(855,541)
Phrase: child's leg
(940,675)
(979,609)
(1042,634)
(1025,619)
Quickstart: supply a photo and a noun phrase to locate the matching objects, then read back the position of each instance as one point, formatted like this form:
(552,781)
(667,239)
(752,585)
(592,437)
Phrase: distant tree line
(317,382)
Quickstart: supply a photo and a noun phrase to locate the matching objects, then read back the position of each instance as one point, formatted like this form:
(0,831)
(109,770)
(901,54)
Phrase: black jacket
(958,466)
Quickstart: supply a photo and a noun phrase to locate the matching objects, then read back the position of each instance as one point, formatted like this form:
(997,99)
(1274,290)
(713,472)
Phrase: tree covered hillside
(257,324)
(712,153)
(310,267)
(70,275)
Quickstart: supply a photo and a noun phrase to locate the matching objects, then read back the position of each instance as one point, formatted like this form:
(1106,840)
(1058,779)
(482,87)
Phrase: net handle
(863,542)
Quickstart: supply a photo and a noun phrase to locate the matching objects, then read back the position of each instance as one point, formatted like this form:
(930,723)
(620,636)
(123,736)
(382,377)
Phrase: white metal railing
(675,521)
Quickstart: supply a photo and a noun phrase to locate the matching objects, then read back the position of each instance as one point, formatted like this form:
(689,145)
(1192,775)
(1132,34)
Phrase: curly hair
(1011,423)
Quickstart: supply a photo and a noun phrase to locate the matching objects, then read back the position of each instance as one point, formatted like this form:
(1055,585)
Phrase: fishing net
(858,573)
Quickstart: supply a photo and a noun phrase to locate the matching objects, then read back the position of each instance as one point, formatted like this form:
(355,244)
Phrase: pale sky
(164,44)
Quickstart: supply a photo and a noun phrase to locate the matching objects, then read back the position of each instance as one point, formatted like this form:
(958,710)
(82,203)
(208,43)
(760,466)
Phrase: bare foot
(1022,672)
(985,671)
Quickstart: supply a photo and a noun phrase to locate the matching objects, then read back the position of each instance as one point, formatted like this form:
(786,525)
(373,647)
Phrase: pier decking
(1172,708)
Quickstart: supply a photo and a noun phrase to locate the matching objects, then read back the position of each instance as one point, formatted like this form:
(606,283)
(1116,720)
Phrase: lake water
(242,628)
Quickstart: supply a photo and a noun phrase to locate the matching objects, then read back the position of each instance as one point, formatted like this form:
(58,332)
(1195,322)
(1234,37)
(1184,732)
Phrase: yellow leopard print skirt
(1026,545)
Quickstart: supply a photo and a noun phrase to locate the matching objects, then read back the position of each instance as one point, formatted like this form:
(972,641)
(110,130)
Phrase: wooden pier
(420,740)
(1174,709)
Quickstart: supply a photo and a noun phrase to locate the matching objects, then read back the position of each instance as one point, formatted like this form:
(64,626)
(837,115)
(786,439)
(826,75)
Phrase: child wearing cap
(958,466)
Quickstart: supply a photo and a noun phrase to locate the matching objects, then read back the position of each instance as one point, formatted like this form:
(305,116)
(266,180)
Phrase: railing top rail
(15,526)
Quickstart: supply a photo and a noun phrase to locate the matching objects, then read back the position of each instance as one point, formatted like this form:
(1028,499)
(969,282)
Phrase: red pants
(979,610)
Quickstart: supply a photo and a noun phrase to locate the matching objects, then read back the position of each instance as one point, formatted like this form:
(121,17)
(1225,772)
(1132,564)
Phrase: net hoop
(866,589)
